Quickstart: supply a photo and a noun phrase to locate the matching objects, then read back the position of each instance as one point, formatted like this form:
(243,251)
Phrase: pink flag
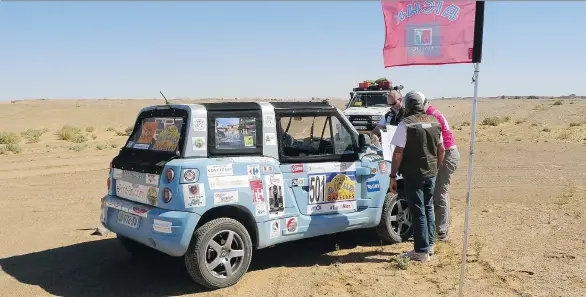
(432,32)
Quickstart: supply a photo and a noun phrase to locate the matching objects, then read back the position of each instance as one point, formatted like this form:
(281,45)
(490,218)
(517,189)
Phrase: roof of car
(302,105)
(281,105)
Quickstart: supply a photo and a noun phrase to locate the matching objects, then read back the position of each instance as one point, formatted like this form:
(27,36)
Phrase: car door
(325,179)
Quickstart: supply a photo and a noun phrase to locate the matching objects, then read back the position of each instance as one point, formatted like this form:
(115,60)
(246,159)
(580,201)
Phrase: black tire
(199,252)
(387,229)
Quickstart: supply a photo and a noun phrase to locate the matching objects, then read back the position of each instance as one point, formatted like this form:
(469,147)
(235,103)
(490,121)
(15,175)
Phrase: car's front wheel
(219,254)
(395,224)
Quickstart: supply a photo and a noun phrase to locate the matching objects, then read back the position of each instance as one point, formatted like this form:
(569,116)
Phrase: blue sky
(268,49)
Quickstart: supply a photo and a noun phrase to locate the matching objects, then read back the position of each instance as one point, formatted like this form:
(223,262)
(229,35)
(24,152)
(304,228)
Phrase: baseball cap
(415,100)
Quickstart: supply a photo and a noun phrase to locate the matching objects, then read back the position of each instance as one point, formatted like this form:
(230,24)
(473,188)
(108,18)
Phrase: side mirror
(364,140)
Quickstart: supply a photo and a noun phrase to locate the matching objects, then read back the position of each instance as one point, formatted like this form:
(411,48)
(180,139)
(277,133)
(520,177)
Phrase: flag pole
(470,166)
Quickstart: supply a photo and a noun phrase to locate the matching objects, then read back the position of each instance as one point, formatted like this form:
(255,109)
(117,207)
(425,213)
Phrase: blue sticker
(373,186)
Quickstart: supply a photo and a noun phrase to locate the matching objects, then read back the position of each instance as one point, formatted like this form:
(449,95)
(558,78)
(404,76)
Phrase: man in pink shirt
(441,200)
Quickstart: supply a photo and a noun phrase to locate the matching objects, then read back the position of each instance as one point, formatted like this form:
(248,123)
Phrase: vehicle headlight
(376,118)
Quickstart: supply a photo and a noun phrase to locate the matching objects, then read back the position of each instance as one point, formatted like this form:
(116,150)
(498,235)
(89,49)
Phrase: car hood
(367,111)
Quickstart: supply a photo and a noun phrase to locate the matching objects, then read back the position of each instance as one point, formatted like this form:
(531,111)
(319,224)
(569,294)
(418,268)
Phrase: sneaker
(442,237)
(415,256)
(431,250)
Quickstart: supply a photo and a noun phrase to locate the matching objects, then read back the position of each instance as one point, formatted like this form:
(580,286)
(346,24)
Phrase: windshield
(157,134)
(370,99)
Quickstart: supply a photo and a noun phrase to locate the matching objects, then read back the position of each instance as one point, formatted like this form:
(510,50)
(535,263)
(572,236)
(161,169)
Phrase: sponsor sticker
(141,146)
(152,179)
(331,167)
(291,225)
(253,171)
(373,186)
(382,167)
(275,228)
(228,182)
(189,175)
(340,206)
(256,188)
(261,210)
(220,170)
(267,169)
(274,186)
(269,121)
(162,226)
(199,143)
(226,197)
(298,182)
(117,173)
(296,168)
(199,124)
(194,195)
(270,139)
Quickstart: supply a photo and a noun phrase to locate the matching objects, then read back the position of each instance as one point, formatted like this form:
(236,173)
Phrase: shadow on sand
(103,268)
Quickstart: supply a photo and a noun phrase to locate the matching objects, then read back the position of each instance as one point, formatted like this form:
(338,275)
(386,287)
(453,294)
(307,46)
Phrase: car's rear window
(157,134)
(235,133)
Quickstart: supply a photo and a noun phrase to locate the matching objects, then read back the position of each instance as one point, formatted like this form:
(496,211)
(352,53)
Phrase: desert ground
(528,212)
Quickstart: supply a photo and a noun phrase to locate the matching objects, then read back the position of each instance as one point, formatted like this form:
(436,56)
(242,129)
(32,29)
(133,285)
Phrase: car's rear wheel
(395,224)
(219,253)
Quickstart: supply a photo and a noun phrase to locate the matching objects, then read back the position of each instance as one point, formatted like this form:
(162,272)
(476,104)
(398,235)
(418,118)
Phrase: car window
(312,136)
(157,134)
(235,133)
(370,99)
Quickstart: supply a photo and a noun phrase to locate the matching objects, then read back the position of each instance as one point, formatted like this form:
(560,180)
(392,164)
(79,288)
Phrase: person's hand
(394,186)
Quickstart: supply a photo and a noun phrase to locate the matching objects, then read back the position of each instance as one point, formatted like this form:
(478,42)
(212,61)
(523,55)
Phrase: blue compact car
(213,182)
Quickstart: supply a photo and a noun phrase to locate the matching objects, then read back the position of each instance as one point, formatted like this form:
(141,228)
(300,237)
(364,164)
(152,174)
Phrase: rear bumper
(164,230)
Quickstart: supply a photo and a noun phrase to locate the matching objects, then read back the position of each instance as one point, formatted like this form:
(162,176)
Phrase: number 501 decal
(317,189)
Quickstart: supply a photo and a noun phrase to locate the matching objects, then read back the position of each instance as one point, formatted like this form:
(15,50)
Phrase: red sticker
(296,168)
(292,225)
(256,187)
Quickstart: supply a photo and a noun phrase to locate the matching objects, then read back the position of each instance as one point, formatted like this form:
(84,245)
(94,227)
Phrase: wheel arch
(237,212)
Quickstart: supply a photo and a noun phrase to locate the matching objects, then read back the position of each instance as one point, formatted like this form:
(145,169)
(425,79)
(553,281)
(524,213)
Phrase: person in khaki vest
(418,155)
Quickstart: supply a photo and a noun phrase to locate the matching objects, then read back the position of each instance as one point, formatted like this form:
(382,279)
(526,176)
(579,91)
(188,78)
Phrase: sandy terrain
(527,217)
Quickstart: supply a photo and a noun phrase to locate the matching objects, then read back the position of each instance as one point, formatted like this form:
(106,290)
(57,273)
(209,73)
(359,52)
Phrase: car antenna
(166,102)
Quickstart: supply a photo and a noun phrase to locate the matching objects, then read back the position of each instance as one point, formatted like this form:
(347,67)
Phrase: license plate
(360,127)
(127,219)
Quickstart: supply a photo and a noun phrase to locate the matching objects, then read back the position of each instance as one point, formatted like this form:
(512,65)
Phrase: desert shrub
(559,102)
(532,97)
(517,97)
(78,147)
(94,136)
(491,121)
(33,135)
(90,129)
(565,134)
(9,138)
(113,145)
(546,129)
(3,149)
(13,147)
(464,124)
(519,122)
(506,118)
(79,138)
(68,132)
(534,124)
(575,124)
(110,129)
(126,132)
(100,147)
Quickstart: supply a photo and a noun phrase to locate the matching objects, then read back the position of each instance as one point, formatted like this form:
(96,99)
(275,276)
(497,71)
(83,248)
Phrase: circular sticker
(189,175)
(199,125)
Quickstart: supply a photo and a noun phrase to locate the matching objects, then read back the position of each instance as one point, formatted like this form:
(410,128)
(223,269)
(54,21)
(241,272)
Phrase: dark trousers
(419,194)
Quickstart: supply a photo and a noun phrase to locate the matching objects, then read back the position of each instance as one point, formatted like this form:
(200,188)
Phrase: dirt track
(528,213)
